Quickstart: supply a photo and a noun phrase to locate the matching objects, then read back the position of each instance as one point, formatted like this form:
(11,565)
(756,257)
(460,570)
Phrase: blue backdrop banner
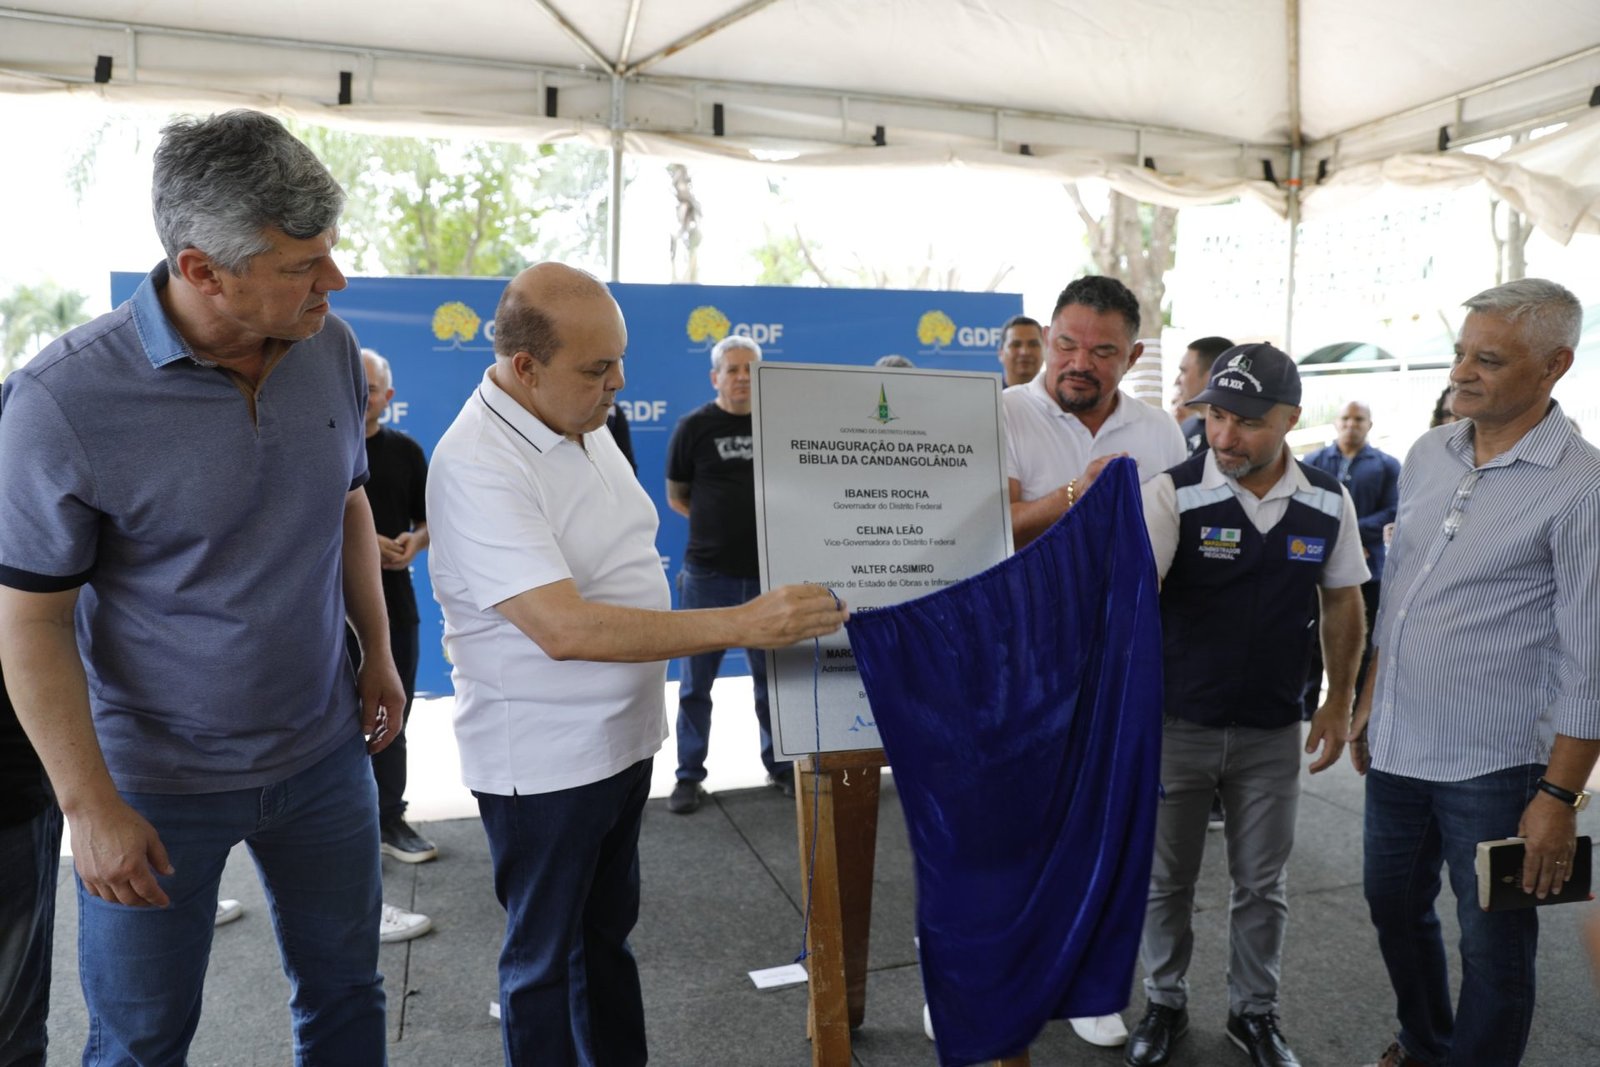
(437,334)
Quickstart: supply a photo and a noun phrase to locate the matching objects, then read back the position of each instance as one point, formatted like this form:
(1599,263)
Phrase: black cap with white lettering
(1249,379)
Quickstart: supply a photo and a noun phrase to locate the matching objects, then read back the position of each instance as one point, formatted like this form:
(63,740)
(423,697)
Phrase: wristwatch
(1576,801)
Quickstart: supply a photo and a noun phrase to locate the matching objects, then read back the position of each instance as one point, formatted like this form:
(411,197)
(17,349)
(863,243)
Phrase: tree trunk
(1517,233)
(1135,243)
(686,242)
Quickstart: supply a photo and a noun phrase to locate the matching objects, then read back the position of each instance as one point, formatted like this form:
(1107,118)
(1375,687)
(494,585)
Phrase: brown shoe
(1395,1056)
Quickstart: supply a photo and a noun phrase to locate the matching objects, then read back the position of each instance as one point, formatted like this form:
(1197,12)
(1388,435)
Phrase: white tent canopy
(1176,102)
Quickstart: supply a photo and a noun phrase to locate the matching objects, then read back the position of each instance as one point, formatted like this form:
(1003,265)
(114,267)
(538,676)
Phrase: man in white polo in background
(557,621)
(1073,412)
(1021,350)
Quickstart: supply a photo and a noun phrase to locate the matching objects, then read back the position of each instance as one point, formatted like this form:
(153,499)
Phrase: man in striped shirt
(1484,690)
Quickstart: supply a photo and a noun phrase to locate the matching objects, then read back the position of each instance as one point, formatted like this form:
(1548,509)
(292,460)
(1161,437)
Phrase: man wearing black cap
(1246,540)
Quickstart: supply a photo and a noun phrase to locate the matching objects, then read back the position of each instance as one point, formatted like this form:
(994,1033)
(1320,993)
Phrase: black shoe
(1258,1035)
(1151,1042)
(404,843)
(1396,1056)
(686,798)
(783,783)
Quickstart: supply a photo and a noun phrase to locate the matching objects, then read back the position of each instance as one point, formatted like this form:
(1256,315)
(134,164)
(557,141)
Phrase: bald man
(1372,478)
(558,622)
(395,489)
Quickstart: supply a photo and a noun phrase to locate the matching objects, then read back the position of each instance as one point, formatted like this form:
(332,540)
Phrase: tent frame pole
(1296,145)
(614,216)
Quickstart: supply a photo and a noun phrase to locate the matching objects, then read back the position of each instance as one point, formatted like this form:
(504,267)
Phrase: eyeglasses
(1458,504)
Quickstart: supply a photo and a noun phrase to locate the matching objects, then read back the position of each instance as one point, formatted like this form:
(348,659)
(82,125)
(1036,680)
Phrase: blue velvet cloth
(1021,712)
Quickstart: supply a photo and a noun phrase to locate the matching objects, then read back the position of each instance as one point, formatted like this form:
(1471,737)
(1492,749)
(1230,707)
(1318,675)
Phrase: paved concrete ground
(722,897)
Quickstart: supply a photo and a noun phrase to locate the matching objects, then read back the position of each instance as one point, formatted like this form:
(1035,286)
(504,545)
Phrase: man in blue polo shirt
(1247,541)
(1372,478)
(186,532)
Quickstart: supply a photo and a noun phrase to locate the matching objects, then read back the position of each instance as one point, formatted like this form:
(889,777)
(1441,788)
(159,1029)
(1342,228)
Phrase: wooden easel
(846,826)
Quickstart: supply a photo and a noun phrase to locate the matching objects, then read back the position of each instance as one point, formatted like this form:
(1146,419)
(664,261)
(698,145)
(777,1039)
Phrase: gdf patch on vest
(1307,549)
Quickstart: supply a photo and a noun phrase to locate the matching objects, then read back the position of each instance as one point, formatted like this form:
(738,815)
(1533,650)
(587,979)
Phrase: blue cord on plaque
(816,784)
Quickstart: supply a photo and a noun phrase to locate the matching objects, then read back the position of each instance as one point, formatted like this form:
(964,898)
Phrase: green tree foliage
(443,207)
(782,261)
(31,316)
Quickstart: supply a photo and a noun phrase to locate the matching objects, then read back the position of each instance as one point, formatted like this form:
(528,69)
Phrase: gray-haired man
(1484,688)
(711,482)
(183,478)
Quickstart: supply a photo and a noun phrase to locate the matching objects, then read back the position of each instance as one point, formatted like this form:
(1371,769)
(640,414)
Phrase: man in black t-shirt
(711,481)
(30,849)
(396,484)
(617,423)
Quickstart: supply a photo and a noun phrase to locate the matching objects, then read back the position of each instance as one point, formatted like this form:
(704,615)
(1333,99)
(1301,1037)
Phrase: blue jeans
(566,869)
(314,838)
(30,856)
(700,587)
(1413,829)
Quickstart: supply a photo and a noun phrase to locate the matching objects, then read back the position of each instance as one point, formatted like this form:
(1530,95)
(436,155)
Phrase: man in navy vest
(1246,541)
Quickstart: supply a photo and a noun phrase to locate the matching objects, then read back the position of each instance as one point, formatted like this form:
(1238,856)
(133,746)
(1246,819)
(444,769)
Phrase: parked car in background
(1400,377)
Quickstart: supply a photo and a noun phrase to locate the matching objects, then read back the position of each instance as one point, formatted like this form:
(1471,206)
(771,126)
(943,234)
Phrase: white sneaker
(400,925)
(927,1022)
(227,911)
(1107,1031)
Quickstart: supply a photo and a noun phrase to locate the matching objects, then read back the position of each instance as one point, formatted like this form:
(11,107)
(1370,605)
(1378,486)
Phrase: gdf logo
(762,333)
(938,332)
(707,325)
(643,412)
(983,337)
(455,324)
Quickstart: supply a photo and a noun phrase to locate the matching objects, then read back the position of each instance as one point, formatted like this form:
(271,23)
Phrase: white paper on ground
(775,977)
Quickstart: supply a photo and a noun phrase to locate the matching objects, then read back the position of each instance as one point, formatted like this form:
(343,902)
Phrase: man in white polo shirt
(1073,413)
(557,621)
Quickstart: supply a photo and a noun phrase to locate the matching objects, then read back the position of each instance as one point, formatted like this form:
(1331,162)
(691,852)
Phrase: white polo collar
(518,420)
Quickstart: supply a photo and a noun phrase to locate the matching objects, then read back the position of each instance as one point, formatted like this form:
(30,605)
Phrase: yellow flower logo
(455,320)
(935,329)
(708,325)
